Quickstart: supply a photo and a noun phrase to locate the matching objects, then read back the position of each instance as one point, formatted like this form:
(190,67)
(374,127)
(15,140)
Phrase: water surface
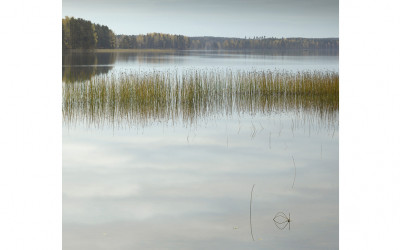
(89,63)
(178,185)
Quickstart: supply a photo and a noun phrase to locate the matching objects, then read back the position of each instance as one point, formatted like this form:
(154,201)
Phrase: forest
(78,33)
(167,41)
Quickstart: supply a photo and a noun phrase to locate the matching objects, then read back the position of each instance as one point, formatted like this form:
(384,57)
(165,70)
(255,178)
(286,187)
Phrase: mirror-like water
(217,183)
(86,64)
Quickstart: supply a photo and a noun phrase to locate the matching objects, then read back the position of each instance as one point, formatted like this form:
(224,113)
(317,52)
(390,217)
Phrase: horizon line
(198,36)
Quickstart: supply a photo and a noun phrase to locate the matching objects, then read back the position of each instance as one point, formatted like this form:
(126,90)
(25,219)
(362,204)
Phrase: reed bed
(165,96)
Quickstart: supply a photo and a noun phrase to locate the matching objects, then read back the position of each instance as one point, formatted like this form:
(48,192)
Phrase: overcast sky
(228,18)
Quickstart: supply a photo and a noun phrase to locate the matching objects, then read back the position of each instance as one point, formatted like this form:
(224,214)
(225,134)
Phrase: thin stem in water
(294,172)
(251,200)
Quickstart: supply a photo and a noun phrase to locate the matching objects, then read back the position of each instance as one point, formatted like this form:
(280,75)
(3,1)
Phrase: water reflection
(139,99)
(139,174)
(138,184)
(230,53)
(281,220)
(149,58)
(78,65)
(84,65)
(251,203)
(270,52)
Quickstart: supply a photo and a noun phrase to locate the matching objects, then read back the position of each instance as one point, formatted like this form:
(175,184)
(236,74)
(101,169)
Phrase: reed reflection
(281,220)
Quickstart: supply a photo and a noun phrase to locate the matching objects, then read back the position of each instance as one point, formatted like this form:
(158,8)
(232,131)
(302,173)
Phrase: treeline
(166,41)
(263,43)
(153,41)
(78,33)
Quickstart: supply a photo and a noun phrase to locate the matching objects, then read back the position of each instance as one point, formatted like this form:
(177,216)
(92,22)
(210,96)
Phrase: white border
(369,125)
(30,126)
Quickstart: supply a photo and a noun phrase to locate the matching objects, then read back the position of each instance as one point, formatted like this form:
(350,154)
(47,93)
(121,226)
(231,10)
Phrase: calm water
(88,64)
(176,185)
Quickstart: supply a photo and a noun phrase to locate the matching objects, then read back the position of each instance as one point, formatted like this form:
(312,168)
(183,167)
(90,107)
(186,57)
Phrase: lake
(223,178)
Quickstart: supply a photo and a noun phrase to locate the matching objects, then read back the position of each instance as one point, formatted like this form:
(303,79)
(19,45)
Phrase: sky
(224,18)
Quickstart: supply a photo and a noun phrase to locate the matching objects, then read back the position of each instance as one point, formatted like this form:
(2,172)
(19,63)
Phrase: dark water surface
(179,185)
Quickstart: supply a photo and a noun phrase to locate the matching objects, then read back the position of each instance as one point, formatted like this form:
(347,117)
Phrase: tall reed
(163,96)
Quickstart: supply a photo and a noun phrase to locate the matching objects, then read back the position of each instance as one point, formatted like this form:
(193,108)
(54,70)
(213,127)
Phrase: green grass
(165,96)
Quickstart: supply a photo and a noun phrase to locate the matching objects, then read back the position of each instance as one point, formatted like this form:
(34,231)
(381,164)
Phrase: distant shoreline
(120,50)
(83,34)
(174,50)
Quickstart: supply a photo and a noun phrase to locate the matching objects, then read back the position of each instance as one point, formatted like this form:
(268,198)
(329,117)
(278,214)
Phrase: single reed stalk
(294,172)
(251,200)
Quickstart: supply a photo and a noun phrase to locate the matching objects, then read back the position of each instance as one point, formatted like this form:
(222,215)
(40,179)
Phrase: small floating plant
(281,220)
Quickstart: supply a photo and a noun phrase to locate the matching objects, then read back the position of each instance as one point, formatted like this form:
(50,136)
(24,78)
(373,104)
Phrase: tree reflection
(83,66)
